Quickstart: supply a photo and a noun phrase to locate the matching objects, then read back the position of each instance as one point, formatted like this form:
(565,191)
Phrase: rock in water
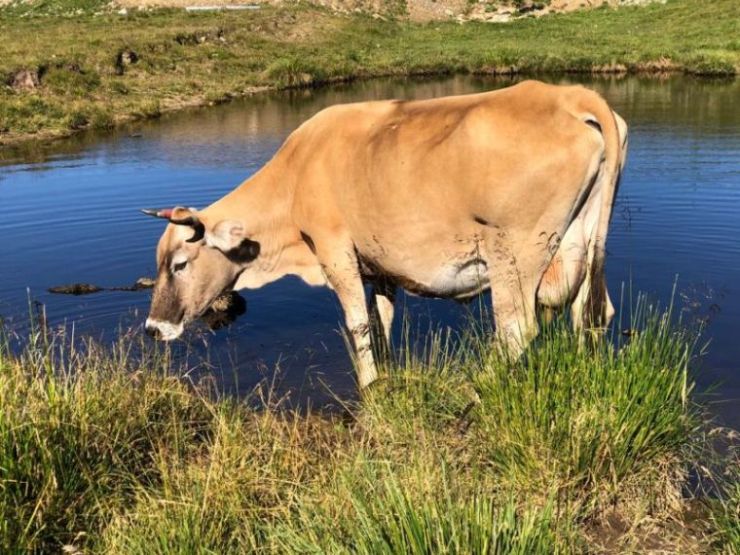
(75,289)
(144,283)
(87,288)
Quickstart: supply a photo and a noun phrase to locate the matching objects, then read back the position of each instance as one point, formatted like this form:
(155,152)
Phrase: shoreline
(63,75)
(655,69)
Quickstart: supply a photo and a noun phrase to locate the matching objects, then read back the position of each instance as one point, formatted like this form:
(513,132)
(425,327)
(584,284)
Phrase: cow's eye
(179,266)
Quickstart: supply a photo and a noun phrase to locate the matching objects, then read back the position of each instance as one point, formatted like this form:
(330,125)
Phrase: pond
(70,214)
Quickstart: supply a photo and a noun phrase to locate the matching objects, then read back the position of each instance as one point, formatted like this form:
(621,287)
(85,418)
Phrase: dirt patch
(687,532)
(429,10)
(495,11)
(572,5)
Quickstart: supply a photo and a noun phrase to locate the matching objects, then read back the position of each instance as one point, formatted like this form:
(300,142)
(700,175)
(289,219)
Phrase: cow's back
(412,182)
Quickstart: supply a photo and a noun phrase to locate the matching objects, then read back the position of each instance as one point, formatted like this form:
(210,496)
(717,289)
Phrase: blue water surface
(70,214)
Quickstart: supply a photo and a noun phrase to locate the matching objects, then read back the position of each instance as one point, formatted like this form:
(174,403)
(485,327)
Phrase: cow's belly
(459,280)
(456,271)
(447,281)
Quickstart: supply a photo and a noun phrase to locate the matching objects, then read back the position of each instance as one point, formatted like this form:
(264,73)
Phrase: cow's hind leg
(381,314)
(592,309)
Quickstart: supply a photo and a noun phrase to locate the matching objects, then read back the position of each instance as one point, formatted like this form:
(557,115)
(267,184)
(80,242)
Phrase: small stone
(529,6)
(128,57)
(499,18)
(125,58)
(25,80)
(144,283)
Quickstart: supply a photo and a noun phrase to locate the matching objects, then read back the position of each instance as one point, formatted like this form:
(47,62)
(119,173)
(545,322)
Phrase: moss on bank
(454,450)
(63,73)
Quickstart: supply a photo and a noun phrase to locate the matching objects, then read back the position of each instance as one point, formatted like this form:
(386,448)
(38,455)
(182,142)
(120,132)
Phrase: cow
(509,190)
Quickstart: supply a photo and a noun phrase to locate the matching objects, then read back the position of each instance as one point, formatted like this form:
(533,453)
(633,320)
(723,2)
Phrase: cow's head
(196,262)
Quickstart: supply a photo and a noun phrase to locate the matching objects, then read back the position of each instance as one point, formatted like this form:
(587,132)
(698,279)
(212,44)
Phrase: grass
(455,450)
(81,52)
(726,511)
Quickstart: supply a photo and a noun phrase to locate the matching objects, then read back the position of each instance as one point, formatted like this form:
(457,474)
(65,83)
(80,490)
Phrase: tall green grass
(386,517)
(455,450)
(725,512)
(601,425)
(79,431)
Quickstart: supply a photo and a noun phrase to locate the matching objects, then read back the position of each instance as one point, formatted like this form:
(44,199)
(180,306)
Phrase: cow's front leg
(343,273)
(352,298)
(358,324)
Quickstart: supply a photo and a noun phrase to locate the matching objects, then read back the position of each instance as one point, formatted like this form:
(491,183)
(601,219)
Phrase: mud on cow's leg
(381,315)
(342,271)
(514,314)
(514,288)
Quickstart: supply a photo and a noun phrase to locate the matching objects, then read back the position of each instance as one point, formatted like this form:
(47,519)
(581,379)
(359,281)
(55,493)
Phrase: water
(69,214)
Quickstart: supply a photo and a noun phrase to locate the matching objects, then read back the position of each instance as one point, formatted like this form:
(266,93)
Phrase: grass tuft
(387,518)
(598,424)
(79,429)
(726,512)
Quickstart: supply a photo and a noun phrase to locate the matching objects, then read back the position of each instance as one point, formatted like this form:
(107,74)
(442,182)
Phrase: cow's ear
(225,235)
(228,237)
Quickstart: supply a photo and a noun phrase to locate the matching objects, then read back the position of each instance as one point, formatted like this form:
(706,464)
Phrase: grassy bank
(88,67)
(453,451)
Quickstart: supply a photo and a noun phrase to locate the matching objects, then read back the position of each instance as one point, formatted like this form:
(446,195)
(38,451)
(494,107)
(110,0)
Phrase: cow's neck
(263,205)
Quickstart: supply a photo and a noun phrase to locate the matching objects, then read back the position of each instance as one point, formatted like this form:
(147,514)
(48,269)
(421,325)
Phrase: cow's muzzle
(164,331)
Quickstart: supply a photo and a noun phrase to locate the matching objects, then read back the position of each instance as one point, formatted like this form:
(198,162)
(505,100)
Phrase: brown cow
(510,190)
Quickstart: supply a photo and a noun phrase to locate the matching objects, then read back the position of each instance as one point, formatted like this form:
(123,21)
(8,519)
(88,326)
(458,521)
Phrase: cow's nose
(153,331)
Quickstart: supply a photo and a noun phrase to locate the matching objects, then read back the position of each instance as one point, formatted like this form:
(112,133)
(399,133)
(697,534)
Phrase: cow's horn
(165,213)
(191,221)
(199,230)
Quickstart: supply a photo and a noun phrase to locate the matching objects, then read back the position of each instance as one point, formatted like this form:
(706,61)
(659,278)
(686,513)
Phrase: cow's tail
(593,109)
